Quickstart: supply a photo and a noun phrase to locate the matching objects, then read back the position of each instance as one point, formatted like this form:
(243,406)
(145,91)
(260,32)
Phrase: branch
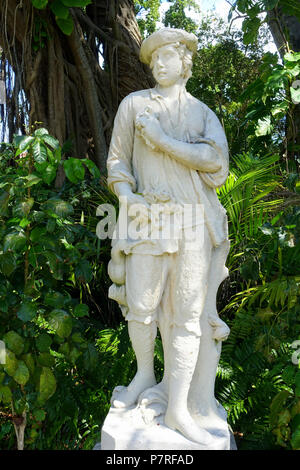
(91,97)
(81,16)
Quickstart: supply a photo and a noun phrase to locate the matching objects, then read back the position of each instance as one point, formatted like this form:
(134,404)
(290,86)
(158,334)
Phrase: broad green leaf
(45,359)
(90,357)
(24,222)
(14,342)
(56,264)
(250,27)
(49,174)
(74,169)
(61,322)
(54,299)
(11,363)
(41,132)
(295,439)
(37,233)
(64,349)
(29,361)
(24,142)
(41,167)
(92,167)
(59,207)
(51,141)
(40,4)
(263,127)
(15,241)
(23,208)
(296,420)
(27,311)
(59,9)
(21,376)
(5,394)
(74,354)
(43,342)
(39,152)
(292,56)
(51,225)
(39,415)
(77,338)
(81,310)
(280,108)
(47,385)
(83,271)
(284,418)
(7,263)
(66,25)
(32,179)
(4,199)
(243,5)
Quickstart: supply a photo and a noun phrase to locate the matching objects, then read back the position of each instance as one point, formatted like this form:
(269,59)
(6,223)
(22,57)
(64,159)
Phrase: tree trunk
(67,89)
(285,30)
(20,425)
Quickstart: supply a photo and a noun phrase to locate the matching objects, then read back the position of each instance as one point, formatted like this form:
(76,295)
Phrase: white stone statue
(169,151)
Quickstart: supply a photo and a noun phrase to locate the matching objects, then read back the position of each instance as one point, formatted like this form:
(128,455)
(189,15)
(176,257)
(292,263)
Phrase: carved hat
(166,36)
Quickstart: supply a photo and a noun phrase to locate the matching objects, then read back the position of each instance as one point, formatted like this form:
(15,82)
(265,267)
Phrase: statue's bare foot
(124,397)
(183,422)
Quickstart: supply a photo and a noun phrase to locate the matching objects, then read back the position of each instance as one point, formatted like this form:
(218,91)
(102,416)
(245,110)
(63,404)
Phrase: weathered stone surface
(168,154)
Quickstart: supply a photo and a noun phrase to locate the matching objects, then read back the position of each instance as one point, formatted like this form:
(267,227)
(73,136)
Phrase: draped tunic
(157,175)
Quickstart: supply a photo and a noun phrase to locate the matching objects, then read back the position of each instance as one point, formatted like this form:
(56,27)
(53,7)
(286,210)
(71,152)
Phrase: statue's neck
(172,92)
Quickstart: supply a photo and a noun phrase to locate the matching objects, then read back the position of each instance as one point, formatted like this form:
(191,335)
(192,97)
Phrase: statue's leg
(185,349)
(189,292)
(202,402)
(143,339)
(145,280)
(218,272)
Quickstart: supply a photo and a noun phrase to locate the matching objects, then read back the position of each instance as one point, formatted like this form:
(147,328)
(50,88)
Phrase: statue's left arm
(208,154)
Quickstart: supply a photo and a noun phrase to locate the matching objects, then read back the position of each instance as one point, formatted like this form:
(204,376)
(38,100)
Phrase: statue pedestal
(125,429)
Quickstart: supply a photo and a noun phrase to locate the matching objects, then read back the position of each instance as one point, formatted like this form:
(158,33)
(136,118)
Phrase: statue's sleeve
(119,166)
(214,133)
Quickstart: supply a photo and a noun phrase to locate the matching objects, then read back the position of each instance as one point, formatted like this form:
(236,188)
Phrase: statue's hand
(149,127)
(134,198)
(137,205)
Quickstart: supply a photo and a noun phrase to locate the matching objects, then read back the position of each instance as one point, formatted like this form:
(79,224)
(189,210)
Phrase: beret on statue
(163,37)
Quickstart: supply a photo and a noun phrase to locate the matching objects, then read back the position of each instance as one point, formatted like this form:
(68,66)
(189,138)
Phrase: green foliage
(176,17)
(61,12)
(66,346)
(257,380)
(148,14)
(47,259)
(223,69)
(254,14)
(272,94)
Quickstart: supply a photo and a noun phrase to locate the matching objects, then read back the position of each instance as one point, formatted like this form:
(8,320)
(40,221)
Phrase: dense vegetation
(67,346)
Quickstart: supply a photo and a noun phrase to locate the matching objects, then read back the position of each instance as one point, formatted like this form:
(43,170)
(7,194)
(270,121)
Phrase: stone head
(169,53)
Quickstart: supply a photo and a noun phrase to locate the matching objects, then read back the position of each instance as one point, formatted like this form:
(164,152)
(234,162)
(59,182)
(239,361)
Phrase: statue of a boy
(169,148)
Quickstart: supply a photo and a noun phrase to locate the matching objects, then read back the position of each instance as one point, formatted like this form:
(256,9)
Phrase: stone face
(168,154)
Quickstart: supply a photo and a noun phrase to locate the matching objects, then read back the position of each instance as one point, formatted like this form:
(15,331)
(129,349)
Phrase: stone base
(125,429)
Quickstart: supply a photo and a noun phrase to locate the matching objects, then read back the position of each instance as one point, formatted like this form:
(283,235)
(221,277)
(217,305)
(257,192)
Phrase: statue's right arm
(120,178)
